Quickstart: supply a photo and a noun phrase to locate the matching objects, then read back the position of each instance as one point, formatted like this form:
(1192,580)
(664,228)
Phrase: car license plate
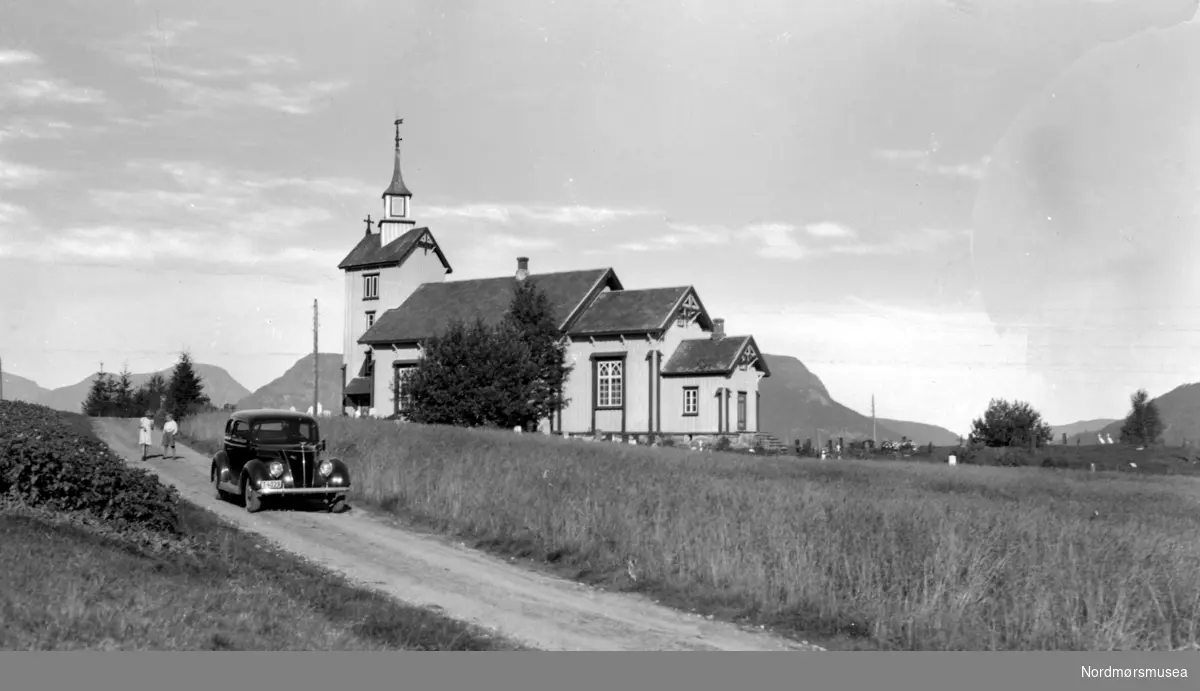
(272,484)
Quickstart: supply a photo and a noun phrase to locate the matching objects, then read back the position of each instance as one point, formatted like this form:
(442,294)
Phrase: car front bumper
(270,491)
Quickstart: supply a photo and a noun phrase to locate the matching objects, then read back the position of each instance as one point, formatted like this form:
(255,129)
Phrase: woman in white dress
(144,437)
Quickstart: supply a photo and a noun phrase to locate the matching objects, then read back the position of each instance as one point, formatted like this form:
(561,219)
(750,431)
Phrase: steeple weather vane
(399,121)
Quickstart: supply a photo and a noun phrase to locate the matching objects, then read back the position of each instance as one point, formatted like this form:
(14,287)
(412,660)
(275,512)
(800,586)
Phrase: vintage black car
(276,454)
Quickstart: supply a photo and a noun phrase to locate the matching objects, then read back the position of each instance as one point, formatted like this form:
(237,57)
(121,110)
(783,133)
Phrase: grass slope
(896,555)
(73,581)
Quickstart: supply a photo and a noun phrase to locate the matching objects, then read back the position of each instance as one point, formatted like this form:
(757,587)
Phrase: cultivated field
(97,555)
(889,554)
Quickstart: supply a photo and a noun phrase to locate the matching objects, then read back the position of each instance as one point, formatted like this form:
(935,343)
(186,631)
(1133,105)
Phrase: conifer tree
(531,317)
(186,388)
(123,393)
(98,402)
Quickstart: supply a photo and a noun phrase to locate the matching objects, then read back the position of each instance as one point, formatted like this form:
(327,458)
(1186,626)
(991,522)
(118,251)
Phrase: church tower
(397,218)
(391,260)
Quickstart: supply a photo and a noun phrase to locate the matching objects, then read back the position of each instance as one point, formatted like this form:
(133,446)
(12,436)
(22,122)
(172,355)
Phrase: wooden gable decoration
(426,242)
(748,357)
(689,310)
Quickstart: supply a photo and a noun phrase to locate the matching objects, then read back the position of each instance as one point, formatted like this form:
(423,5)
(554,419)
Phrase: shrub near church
(474,375)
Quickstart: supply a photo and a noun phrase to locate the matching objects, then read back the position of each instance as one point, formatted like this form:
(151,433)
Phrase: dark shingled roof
(368,251)
(708,356)
(433,306)
(358,386)
(629,311)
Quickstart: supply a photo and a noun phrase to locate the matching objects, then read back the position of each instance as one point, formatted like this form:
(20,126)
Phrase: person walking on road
(169,431)
(145,438)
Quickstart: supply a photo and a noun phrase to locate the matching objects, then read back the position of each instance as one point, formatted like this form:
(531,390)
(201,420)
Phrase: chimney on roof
(522,268)
(718,331)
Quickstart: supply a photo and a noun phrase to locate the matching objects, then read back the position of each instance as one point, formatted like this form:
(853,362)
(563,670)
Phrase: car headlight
(325,469)
(276,468)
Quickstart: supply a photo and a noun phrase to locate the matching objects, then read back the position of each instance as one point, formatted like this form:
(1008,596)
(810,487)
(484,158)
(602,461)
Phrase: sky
(935,202)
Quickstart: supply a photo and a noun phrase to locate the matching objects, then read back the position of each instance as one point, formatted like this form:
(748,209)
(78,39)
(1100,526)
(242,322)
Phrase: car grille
(303,467)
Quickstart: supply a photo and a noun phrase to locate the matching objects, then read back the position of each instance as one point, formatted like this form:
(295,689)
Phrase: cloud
(777,240)
(118,245)
(18,57)
(827,229)
(202,178)
(12,213)
(973,171)
(508,213)
(214,80)
(516,242)
(225,201)
(34,90)
(782,241)
(680,236)
(30,128)
(300,99)
(923,160)
(911,242)
(900,154)
(35,86)
(13,175)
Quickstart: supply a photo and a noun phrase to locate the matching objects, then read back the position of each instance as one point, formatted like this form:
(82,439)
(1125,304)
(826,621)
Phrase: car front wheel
(216,482)
(250,496)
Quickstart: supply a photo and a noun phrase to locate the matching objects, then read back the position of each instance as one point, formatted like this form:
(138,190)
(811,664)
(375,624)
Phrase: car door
(238,448)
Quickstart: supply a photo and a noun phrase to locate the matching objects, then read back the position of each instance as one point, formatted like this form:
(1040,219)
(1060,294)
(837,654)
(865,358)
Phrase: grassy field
(1119,458)
(898,555)
(72,580)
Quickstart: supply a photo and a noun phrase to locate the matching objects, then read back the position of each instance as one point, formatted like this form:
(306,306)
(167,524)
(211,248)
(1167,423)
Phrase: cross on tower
(367,220)
(399,121)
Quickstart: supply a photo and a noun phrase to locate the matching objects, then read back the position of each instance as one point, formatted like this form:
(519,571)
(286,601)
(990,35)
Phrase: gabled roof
(629,311)
(369,253)
(434,306)
(714,356)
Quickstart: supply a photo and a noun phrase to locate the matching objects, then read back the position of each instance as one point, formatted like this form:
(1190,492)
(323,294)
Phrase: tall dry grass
(913,556)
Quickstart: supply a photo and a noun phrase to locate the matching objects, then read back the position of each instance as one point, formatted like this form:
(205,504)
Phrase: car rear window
(284,431)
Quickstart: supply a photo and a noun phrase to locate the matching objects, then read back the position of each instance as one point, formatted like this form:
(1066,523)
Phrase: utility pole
(316,369)
(874,436)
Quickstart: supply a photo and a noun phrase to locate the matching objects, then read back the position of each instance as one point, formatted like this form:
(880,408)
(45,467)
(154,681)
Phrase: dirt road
(538,610)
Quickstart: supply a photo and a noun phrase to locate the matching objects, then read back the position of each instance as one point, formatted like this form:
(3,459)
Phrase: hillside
(220,387)
(796,405)
(21,389)
(1179,409)
(1082,427)
(295,386)
(919,432)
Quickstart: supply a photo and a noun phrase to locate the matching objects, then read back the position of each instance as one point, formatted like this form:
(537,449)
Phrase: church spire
(397,218)
(397,188)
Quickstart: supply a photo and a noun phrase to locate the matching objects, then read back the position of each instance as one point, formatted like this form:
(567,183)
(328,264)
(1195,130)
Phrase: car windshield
(284,432)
